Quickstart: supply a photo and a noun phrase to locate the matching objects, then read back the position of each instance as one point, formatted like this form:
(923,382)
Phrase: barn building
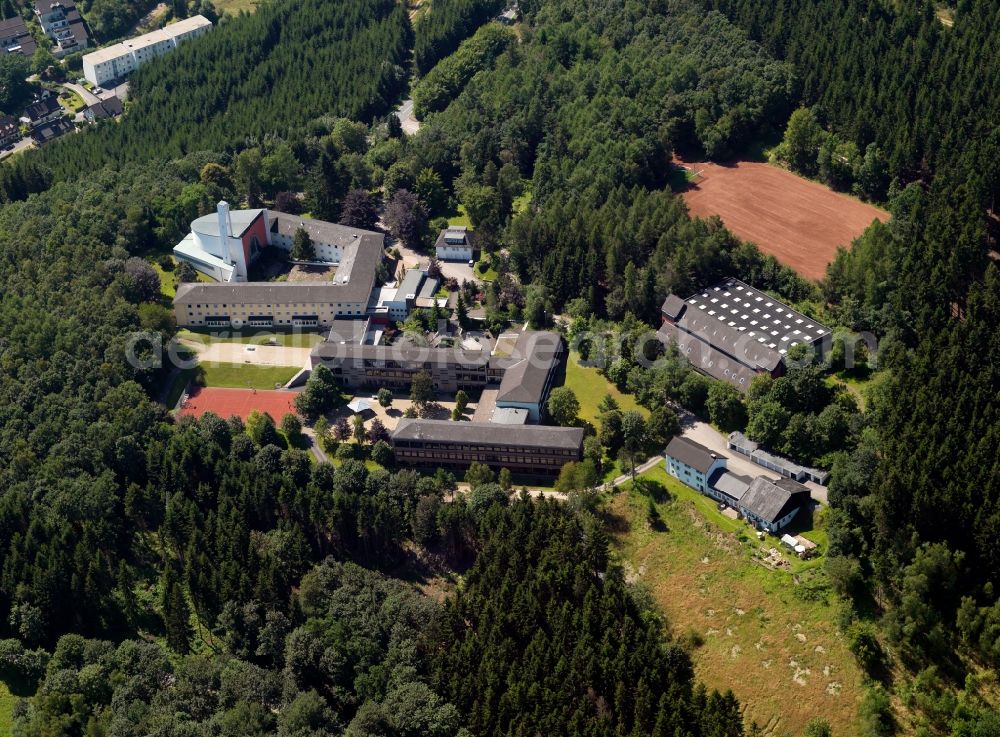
(733,332)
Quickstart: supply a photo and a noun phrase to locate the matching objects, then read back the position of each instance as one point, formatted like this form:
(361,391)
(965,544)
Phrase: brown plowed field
(797,221)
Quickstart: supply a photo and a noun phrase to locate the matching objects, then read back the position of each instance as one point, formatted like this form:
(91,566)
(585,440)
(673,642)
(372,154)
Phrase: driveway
(705,434)
(89,98)
(22,145)
(408,122)
(263,355)
(458,270)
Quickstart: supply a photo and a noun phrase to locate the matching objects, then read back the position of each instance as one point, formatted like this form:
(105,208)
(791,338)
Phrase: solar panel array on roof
(733,331)
(764,319)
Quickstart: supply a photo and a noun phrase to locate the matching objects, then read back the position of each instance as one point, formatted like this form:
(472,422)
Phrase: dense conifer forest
(197,578)
(919,504)
(266,75)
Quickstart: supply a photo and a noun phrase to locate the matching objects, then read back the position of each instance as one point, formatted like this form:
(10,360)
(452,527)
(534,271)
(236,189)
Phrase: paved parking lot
(459,270)
(702,432)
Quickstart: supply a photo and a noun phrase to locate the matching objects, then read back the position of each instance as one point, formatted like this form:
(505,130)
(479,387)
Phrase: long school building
(533,450)
(225,244)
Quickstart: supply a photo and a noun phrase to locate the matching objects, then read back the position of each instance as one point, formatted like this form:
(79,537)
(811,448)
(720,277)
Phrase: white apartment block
(121,59)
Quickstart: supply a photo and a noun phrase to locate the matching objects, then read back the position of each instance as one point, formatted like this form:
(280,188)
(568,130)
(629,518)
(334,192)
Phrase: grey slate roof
(353,283)
(745,323)
(771,500)
(448,237)
(428,289)
(14,32)
(107,108)
(39,109)
(49,131)
(535,355)
(410,284)
(320,231)
(707,359)
(349,331)
(673,306)
(729,483)
(488,433)
(692,454)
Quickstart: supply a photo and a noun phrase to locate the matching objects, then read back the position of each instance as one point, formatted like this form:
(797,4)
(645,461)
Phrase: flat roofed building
(732,332)
(399,302)
(509,416)
(453,244)
(526,449)
(121,59)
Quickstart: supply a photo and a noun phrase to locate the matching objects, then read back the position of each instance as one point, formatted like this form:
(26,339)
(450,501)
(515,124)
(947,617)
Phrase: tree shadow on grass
(653,489)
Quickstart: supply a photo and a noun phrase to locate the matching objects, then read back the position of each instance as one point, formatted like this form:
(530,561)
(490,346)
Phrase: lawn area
(521,202)
(7,700)
(484,271)
(252,336)
(72,104)
(680,178)
(235,7)
(590,387)
(246,376)
(769,635)
(858,385)
(461,218)
(167,288)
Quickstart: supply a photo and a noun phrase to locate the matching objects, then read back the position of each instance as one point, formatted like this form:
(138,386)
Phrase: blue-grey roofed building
(692,463)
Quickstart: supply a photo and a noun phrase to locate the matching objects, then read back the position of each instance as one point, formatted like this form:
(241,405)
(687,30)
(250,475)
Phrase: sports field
(241,402)
(799,222)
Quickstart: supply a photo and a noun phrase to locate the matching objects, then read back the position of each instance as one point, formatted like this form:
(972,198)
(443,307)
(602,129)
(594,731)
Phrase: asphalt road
(24,143)
(89,98)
